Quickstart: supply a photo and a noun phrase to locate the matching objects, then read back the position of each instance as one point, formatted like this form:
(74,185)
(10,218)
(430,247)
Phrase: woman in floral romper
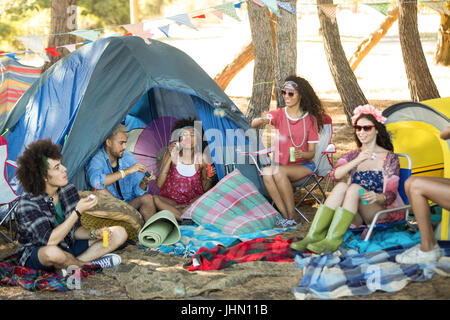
(372,185)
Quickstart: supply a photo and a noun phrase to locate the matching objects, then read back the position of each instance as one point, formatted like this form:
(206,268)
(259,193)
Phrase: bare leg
(96,249)
(54,256)
(283,179)
(419,190)
(272,188)
(145,205)
(337,195)
(162,203)
(351,202)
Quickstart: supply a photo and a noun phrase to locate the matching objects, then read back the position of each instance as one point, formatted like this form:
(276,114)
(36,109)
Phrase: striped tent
(15,79)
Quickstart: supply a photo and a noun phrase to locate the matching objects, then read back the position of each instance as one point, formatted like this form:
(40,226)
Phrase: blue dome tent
(85,95)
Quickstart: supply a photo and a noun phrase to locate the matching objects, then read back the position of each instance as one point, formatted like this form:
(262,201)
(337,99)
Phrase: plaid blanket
(194,237)
(347,273)
(12,274)
(259,249)
(234,206)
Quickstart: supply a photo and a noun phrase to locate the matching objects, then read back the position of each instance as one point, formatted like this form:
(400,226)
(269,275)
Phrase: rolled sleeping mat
(161,229)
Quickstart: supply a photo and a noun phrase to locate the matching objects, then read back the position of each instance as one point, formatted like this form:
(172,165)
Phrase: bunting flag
(228,9)
(70,47)
(272,5)
(138,29)
(33,43)
(239,5)
(382,7)
(52,51)
(201,16)
(287,6)
(218,14)
(183,19)
(329,10)
(165,30)
(437,6)
(91,35)
(12,56)
(259,3)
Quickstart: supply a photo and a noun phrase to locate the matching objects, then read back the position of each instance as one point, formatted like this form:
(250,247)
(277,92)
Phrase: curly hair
(32,165)
(383,138)
(309,102)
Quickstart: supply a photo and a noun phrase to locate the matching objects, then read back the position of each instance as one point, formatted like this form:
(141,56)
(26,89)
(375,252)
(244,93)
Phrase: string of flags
(35,44)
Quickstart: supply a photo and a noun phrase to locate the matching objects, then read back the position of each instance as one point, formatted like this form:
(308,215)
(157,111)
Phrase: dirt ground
(103,287)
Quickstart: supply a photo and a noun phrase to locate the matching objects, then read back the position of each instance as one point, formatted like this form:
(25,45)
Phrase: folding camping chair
(405,173)
(7,194)
(322,161)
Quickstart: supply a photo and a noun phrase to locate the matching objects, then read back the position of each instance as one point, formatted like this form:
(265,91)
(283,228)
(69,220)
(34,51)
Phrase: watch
(78,213)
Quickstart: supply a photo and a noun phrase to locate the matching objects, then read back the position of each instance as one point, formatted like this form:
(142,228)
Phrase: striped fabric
(15,79)
(234,206)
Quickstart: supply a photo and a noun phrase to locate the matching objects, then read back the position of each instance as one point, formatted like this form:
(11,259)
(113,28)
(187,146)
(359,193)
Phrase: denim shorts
(309,164)
(76,249)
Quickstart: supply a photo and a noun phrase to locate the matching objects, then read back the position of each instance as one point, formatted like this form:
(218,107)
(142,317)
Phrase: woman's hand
(372,197)
(86,203)
(364,155)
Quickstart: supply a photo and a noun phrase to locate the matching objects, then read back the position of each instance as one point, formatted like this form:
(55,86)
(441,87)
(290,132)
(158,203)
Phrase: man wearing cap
(116,172)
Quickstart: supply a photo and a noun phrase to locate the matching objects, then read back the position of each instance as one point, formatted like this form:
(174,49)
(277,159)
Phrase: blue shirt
(100,166)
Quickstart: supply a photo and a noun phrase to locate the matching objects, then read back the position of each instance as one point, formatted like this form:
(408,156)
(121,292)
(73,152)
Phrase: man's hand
(137,167)
(86,204)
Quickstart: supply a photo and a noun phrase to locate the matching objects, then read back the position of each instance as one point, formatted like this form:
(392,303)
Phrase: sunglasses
(365,128)
(288,92)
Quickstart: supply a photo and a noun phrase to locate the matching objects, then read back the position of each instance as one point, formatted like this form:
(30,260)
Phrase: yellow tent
(415,129)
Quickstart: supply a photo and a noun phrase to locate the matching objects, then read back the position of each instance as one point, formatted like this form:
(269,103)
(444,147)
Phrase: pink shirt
(297,131)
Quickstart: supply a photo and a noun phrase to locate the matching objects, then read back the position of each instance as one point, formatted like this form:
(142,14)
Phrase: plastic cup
(105,238)
(361,192)
(91,196)
(292,154)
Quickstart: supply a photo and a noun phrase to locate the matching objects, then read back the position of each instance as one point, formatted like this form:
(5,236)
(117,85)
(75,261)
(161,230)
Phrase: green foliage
(107,12)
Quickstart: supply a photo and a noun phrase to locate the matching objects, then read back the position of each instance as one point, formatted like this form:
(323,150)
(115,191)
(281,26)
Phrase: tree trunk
(264,70)
(286,48)
(134,11)
(442,55)
(224,78)
(63,20)
(344,78)
(420,83)
(368,43)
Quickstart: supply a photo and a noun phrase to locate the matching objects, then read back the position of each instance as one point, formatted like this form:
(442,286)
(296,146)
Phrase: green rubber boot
(339,226)
(318,229)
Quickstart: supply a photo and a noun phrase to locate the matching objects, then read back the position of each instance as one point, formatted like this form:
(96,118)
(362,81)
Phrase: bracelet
(78,213)
(91,234)
(122,172)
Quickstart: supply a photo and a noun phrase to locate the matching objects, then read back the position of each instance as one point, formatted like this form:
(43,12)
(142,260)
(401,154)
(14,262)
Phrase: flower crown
(368,109)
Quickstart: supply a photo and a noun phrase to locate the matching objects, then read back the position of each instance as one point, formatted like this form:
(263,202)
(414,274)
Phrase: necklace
(289,129)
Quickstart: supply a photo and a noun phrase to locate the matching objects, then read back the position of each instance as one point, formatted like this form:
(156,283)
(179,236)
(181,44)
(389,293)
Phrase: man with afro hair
(48,216)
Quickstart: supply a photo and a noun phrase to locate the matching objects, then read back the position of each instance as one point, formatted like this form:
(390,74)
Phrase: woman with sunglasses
(298,125)
(372,185)
(183,176)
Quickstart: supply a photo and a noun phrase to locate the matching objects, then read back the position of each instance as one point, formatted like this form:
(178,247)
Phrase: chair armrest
(11,163)
(331,148)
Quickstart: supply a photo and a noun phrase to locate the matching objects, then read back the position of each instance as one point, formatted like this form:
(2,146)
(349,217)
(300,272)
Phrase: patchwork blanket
(260,249)
(11,274)
(347,272)
(206,235)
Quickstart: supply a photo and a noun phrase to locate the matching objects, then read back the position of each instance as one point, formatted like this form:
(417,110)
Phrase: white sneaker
(108,260)
(414,255)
